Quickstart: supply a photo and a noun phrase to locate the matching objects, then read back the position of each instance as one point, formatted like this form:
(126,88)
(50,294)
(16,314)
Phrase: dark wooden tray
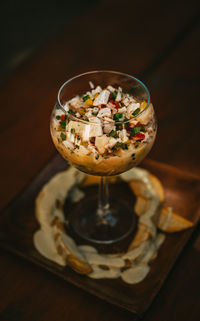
(18,223)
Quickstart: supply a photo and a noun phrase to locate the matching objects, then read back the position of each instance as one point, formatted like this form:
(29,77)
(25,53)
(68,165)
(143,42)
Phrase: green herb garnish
(119,126)
(136,112)
(135,130)
(117,146)
(70,111)
(63,124)
(97,156)
(114,134)
(57,117)
(94,114)
(124,146)
(86,97)
(117,116)
(113,96)
(72,130)
(63,136)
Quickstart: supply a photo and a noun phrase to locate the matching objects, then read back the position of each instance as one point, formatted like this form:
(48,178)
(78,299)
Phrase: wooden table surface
(158,41)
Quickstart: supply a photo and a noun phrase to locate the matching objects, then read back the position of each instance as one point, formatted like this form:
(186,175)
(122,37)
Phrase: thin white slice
(99,259)
(45,202)
(71,247)
(87,248)
(136,252)
(135,274)
(45,244)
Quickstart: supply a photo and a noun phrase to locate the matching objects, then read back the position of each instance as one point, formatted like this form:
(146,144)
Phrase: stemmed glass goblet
(84,142)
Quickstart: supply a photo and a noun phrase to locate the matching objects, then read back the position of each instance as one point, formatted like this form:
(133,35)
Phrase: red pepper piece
(62,117)
(115,103)
(139,136)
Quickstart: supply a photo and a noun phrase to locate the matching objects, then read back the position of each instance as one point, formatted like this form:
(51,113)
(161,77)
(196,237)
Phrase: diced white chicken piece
(70,137)
(111,88)
(75,102)
(108,127)
(95,130)
(97,90)
(81,129)
(78,115)
(108,120)
(102,98)
(104,142)
(119,88)
(132,100)
(112,107)
(125,101)
(146,115)
(122,110)
(85,131)
(101,142)
(95,110)
(119,96)
(94,120)
(66,106)
(88,113)
(91,148)
(91,84)
(123,135)
(112,141)
(131,107)
(104,112)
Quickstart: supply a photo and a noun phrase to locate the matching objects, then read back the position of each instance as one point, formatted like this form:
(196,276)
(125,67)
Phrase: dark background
(43,43)
(26,25)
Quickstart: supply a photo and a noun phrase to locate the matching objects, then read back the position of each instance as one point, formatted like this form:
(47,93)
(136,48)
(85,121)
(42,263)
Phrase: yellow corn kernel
(81,111)
(96,95)
(89,102)
(143,104)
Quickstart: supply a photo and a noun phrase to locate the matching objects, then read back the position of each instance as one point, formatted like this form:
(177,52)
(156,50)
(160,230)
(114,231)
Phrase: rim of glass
(105,71)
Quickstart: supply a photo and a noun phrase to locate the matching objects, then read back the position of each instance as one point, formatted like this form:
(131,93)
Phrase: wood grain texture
(18,224)
(157,40)
(174,89)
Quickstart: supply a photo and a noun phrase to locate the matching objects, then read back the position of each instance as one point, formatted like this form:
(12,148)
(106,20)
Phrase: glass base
(109,233)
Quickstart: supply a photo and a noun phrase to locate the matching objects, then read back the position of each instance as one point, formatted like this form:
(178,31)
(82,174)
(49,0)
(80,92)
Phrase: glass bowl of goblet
(87,144)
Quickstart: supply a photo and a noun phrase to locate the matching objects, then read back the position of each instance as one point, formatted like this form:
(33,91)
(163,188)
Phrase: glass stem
(103,198)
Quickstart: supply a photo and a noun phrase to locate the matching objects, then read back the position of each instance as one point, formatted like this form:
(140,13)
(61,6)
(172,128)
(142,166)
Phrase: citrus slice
(170,222)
